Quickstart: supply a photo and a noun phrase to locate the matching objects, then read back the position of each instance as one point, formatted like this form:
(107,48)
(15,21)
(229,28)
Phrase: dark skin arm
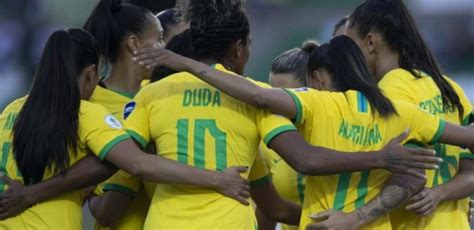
(398,189)
(129,157)
(264,223)
(459,187)
(108,209)
(276,101)
(273,206)
(311,160)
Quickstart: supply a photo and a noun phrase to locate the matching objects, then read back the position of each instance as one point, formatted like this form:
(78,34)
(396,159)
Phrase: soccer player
(340,27)
(52,128)
(173,24)
(289,70)
(356,116)
(407,70)
(119,29)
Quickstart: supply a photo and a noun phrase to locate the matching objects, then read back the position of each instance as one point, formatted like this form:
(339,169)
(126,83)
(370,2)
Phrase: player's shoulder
(15,105)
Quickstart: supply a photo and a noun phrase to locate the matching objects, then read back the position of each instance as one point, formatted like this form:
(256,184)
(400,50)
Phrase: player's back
(64,211)
(195,124)
(400,84)
(345,122)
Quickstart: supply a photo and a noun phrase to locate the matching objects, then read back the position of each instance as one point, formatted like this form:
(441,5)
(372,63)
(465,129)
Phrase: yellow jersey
(400,84)
(134,216)
(344,122)
(288,183)
(99,131)
(193,123)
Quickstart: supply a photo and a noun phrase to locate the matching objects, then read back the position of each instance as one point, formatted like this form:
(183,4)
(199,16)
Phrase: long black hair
(179,44)
(112,20)
(215,25)
(343,59)
(295,61)
(392,19)
(46,129)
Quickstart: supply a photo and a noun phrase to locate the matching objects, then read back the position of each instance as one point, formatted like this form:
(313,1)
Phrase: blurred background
(277,25)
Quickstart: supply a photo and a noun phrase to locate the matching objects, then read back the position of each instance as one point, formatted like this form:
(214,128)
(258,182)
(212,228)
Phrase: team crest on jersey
(113,122)
(304,89)
(128,109)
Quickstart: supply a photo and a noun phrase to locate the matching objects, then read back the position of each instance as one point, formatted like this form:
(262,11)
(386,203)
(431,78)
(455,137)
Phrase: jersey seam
(299,108)
(119,188)
(137,137)
(106,149)
(277,131)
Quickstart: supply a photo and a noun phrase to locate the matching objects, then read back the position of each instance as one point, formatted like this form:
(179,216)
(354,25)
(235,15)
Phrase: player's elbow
(261,99)
(413,184)
(106,220)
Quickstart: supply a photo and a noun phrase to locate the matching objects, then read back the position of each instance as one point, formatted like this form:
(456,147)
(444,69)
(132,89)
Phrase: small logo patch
(128,109)
(113,122)
(304,89)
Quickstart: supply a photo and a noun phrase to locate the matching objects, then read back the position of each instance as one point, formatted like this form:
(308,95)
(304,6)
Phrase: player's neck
(124,77)
(389,62)
(228,65)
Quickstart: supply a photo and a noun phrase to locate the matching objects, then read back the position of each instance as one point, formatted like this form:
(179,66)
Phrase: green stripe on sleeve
(466,155)
(103,153)
(299,107)
(278,131)
(262,181)
(137,137)
(467,119)
(119,188)
(437,136)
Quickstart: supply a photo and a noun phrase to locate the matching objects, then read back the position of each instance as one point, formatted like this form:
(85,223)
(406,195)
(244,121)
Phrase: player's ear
(88,80)
(133,43)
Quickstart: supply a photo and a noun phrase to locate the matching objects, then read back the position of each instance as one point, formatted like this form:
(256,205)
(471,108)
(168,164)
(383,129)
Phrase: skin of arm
(395,192)
(108,209)
(311,160)
(273,206)
(458,135)
(86,172)
(264,223)
(128,156)
(461,186)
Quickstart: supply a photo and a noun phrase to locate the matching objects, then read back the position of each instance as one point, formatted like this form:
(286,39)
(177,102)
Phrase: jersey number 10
(200,127)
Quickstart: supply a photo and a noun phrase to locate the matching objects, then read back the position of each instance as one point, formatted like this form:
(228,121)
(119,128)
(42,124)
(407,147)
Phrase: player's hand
(401,159)
(333,220)
(232,185)
(151,58)
(15,200)
(425,202)
(471,210)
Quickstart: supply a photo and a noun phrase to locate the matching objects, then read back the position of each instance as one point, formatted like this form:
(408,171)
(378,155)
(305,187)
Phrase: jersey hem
(262,181)
(299,108)
(437,136)
(269,137)
(103,153)
(119,188)
(137,137)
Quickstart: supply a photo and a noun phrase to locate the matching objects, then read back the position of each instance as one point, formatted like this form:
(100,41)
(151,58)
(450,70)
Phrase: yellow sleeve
(137,121)
(259,173)
(270,125)
(99,129)
(424,127)
(123,182)
(304,102)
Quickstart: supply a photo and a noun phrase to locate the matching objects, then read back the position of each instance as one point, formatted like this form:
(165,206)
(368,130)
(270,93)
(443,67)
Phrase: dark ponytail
(295,61)
(215,25)
(343,59)
(46,129)
(392,19)
(111,21)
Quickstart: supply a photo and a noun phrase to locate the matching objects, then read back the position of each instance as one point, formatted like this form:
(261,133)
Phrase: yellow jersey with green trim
(99,131)
(135,214)
(400,84)
(288,183)
(345,122)
(194,123)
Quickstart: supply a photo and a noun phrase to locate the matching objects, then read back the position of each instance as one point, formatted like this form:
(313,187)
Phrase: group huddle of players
(149,120)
